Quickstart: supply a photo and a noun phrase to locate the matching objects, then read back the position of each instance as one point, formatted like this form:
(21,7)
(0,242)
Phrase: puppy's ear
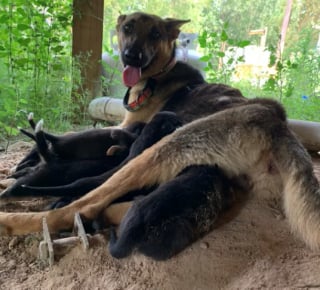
(121,18)
(173,26)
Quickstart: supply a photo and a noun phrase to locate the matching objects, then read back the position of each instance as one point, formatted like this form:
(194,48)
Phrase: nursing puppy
(162,124)
(173,216)
(87,144)
(65,159)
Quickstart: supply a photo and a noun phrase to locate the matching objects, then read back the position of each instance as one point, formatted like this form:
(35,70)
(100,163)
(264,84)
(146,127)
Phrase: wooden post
(87,31)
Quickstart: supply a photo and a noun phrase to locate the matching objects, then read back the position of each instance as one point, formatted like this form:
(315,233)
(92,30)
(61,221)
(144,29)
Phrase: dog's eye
(154,34)
(127,28)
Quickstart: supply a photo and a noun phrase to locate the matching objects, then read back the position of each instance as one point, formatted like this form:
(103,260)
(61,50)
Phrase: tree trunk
(87,31)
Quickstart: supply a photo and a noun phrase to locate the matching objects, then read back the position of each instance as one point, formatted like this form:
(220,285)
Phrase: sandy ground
(255,250)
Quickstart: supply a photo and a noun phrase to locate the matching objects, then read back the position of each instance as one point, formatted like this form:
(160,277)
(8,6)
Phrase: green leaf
(23,101)
(4,18)
(243,43)
(21,11)
(224,36)
(24,41)
(203,39)
(272,60)
(230,61)
(205,58)
(240,58)
(221,54)
(21,61)
(270,84)
(57,48)
(279,65)
(22,27)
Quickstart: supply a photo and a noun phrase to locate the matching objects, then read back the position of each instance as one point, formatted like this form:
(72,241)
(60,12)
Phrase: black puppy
(88,144)
(162,124)
(56,169)
(173,216)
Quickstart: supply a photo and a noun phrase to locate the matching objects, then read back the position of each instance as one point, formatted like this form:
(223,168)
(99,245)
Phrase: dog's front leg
(24,223)
(145,170)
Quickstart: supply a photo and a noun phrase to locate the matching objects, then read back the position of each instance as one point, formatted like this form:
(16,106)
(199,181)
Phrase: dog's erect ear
(173,26)
(121,18)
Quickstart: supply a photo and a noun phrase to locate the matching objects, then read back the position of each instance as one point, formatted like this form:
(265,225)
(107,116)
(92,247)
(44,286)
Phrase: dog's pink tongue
(131,75)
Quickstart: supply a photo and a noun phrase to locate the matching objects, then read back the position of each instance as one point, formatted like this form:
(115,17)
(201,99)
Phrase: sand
(254,250)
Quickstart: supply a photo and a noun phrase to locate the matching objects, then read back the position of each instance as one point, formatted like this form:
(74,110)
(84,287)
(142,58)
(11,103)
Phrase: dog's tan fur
(245,137)
(159,52)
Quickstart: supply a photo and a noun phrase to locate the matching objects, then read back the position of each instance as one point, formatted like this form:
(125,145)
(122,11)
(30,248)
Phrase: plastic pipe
(107,109)
(111,109)
(307,132)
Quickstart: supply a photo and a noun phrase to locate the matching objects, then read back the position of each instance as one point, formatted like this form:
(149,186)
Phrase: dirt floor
(254,250)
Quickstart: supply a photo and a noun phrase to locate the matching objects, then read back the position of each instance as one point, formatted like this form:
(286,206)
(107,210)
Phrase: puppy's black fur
(162,124)
(88,144)
(173,216)
(57,169)
(60,172)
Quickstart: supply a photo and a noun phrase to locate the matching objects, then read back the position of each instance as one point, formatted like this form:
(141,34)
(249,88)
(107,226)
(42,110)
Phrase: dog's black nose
(133,57)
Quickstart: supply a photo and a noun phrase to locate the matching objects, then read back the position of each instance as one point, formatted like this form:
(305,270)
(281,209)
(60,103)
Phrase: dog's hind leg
(28,134)
(32,158)
(42,144)
(41,148)
(31,121)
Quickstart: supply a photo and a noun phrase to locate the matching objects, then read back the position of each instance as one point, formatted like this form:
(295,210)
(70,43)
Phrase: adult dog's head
(146,44)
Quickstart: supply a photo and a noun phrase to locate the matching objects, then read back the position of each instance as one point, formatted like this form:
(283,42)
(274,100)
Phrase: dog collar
(142,98)
(148,89)
(166,69)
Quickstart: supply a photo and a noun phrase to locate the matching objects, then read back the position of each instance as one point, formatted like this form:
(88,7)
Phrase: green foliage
(35,62)
(37,72)
(243,16)
(220,54)
(181,9)
(297,82)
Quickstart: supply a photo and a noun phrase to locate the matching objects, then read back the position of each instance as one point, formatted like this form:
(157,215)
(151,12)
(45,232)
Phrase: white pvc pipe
(107,109)
(307,132)
(111,109)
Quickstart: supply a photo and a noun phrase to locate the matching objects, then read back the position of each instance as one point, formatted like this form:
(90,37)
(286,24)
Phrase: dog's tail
(301,187)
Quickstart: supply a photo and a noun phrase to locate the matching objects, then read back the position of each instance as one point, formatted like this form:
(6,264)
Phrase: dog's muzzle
(134,61)
(133,57)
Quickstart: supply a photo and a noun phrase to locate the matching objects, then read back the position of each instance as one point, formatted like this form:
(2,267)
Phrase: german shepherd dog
(240,136)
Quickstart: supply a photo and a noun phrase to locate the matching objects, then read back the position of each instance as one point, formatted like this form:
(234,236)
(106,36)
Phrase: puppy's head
(146,43)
